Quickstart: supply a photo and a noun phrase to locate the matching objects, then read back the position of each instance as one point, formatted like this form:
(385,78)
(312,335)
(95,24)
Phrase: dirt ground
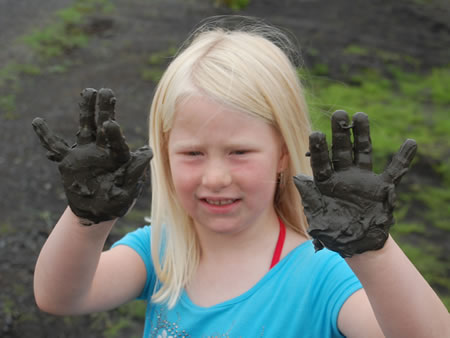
(119,46)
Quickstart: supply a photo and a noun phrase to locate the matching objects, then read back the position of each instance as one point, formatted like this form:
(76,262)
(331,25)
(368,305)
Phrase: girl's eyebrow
(185,144)
(228,145)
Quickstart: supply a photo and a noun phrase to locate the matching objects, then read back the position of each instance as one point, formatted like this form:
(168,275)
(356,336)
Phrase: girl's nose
(216,177)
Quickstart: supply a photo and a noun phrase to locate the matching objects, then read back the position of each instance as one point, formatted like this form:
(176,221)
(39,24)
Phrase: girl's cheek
(184,176)
(255,171)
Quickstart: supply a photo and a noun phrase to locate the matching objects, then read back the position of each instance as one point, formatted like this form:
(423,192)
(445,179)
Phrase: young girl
(227,253)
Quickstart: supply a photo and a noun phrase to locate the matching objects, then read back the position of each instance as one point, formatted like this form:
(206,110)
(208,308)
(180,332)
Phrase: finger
(400,162)
(311,196)
(88,128)
(320,158)
(362,142)
(120,152)
(342,145)
(136,169)
(106,104)
(56,146)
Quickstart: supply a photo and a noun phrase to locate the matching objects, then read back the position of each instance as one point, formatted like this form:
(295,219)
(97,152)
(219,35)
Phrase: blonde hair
(244,68)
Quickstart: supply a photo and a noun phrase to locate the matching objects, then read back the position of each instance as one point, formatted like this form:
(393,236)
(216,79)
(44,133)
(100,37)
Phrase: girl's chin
(224,226)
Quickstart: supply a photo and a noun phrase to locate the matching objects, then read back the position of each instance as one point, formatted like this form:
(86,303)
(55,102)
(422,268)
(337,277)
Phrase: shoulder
(324,273)
(140,241)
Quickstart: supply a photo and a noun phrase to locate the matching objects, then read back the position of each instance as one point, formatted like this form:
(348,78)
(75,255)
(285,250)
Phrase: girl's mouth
(219,202)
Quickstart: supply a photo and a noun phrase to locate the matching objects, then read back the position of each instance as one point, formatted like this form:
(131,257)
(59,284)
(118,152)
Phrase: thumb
(310,194)
(56,146)
(400,162)
(139,163)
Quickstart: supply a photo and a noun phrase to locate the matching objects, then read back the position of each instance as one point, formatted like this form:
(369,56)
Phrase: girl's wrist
(373,255)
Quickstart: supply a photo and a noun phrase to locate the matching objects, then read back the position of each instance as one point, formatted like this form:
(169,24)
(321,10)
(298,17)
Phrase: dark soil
(120,44)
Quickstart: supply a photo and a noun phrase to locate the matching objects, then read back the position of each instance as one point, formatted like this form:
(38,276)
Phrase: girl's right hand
(101,177)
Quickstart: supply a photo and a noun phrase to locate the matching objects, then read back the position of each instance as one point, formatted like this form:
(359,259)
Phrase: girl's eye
(240,152)
(193,153)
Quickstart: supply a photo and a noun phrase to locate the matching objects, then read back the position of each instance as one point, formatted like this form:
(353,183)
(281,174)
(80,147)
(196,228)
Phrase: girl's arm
(102,180)
(350,210)
(73,276)
(402,301)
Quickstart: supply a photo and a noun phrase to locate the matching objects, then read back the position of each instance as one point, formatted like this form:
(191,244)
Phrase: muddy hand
(349,208)
(101,177)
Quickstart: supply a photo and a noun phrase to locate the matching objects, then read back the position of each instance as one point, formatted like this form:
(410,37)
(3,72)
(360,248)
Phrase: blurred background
(390,59)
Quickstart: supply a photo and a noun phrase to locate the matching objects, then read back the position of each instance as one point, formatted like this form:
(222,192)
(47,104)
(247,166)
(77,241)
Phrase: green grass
(356,50)
(119,322)
(403,106)
(156,64)
(67,31)
(64,33)
(9,85)
(236,5)
(380,55)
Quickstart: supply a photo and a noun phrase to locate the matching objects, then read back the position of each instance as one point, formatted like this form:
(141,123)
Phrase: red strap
(280,243)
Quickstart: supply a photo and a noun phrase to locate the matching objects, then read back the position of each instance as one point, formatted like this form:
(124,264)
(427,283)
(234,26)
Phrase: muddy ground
(120,43)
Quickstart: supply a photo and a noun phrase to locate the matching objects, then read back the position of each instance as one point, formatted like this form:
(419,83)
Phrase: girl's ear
(284,159)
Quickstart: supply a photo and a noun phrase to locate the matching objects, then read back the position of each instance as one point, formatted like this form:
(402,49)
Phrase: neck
(257,236)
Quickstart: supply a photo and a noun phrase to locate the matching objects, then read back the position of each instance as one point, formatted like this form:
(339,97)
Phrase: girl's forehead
(200,112)
(204,119)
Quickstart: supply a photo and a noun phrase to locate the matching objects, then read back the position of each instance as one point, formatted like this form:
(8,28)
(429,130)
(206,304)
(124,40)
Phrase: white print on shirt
(165,329)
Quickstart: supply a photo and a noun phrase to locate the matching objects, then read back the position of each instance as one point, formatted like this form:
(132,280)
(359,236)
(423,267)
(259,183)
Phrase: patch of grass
(116,323)
(320,69)
(135,310)
(407,228)
(437,202)
(8,306)
(233,4)
(152,74)
(446,301)
(401,107)
(9,75)
(383,56)
(8,107)
(156,64)
(67,32)
(162,57)
(58,68)
(113,329)
(356,50)
(6,228)
(9,86)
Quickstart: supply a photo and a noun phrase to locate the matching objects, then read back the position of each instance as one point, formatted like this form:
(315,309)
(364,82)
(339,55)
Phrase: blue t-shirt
(299,297)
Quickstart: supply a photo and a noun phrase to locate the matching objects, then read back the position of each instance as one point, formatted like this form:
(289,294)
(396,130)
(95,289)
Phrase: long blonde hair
(244,68)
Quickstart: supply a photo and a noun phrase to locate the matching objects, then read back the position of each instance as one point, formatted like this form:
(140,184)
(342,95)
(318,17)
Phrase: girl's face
(224,165)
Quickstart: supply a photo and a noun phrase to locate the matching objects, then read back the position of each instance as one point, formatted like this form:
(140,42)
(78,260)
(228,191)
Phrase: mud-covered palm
(349,208)
(101,177)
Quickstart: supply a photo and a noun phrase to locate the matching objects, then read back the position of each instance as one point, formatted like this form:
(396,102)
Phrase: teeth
(220,202)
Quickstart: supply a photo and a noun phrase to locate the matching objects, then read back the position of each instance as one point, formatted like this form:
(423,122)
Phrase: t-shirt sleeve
(139,241)
(338,283)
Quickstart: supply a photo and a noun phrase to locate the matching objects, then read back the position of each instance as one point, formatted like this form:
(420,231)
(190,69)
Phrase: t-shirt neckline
(270,273)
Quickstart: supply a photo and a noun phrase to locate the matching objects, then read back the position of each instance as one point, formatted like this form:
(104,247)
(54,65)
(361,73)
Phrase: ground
(113,50)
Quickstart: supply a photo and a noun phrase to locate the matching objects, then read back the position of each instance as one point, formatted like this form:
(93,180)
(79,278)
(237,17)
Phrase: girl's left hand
(350,208)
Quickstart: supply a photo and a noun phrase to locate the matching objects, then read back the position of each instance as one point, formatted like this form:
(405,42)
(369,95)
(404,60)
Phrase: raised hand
(101,177)
(349,208)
